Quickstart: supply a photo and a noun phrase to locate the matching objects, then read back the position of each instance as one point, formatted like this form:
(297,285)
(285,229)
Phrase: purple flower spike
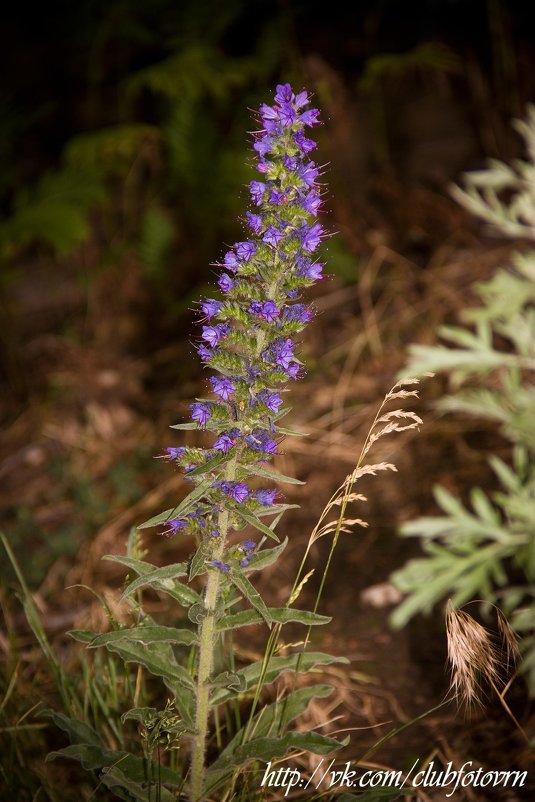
(222,386)
(200,412)
(246,337)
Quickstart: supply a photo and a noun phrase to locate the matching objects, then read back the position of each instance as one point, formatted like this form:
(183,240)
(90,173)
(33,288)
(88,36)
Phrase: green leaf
(228,679)
(251,594)
(179,592)
(257,470)
(161,518)
(281,615)
(82,635)
(156,578)
(299,661)
(198,561)
(182,508)
(118,780)
(215,462)
(264,724)
(251,518)
(265,557)
(145,634)
(186,426)
(273,748)
(78,731)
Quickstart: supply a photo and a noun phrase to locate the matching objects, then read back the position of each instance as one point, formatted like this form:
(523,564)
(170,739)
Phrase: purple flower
(290,162)
(277,198)
(231,261)
(304,144)
(273,401)
(266,497)
(174,453)
(200,412)
(298,312)
(236,490)
(175,525)
(269,113)
(311,202)
(310,117)
(272,236)
(255,221)
(311,237)
(306,268)
(221,566)
(284,94)
(267,310)
(283,352)
(222,386)
(226,441)
(308,173)
(248,545)
(225,282)
(301,100)
(287,114)
(260,440)
(210,307)
(213,334)
(204,352)
(244,562)
(245,250)
(257,189)
(263,145)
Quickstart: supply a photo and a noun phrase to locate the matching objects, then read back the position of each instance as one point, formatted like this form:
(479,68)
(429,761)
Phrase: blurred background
(123,159)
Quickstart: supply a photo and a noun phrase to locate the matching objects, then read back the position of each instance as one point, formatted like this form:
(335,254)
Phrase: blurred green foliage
(487,550)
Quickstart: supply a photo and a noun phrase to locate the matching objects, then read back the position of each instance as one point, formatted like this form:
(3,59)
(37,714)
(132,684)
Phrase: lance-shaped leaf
(145,634)
(271,748)
(251,518)
(300,661)
(228,679)
(180,593)
(251,594)
(274,476)
(163,576)
(215,462)
(264,724)
(280,615)
(198,561)
(261,559)
(127,789)
(185,505)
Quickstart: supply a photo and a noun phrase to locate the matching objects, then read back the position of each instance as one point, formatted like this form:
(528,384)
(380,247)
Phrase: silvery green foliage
(248,341)
(475,551)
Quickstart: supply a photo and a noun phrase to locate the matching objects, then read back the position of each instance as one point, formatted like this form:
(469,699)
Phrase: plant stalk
(207,644)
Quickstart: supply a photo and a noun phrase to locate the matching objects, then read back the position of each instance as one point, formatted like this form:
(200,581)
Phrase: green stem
(207,643)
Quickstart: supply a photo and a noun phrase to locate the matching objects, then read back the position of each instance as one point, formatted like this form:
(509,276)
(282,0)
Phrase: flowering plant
(248,340)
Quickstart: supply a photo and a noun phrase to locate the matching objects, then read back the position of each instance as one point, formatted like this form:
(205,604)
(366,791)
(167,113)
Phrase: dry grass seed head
(473,656)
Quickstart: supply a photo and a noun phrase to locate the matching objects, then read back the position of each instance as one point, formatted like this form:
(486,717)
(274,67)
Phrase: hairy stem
(207,644)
